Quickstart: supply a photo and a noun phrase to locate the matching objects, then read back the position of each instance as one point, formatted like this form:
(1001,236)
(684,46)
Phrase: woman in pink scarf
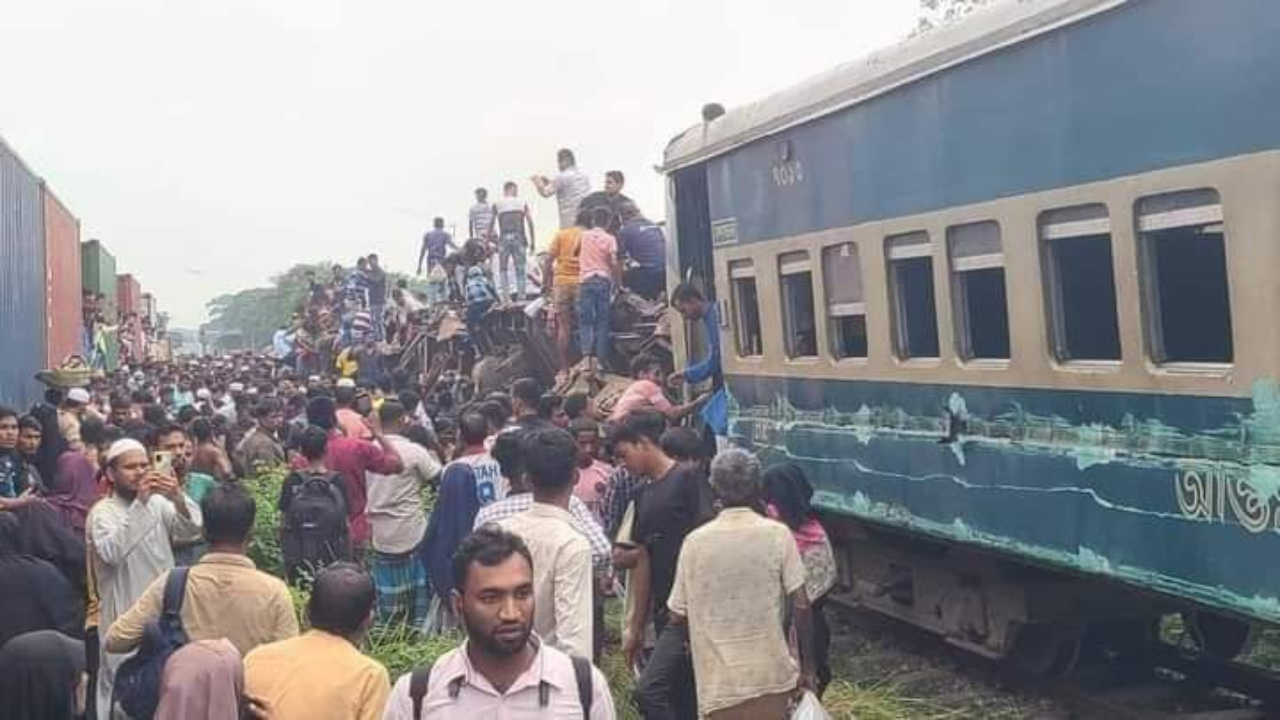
(787,494)
(203,681)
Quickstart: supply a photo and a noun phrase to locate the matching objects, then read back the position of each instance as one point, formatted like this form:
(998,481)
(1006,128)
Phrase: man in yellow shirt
(321,674)
(561,266)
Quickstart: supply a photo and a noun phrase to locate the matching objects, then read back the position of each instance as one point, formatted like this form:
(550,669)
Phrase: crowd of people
(603,245)
(126,520)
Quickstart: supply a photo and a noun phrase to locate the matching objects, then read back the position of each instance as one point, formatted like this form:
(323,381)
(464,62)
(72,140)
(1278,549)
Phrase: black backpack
(420,682)
(137,686)
(314,530)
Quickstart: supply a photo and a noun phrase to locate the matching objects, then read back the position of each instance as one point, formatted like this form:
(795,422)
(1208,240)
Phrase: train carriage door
(693,257)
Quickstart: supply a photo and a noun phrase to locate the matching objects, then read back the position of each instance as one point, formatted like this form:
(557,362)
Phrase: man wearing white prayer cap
(130,537)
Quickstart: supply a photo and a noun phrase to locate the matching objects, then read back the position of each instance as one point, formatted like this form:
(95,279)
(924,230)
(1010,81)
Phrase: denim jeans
(379,329)
(594,295)
(666,688)
(512,247)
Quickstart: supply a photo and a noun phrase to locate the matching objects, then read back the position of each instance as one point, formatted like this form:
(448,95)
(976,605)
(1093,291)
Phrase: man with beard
(503,667)
(130,538)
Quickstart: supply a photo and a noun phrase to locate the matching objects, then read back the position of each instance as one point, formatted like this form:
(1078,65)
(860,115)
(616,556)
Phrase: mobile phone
(163,462)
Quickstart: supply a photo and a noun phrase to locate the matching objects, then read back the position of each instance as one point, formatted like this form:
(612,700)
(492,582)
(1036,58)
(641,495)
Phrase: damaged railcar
(1007,293)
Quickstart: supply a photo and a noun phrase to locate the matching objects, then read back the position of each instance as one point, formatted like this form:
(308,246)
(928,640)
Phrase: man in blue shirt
(689,301)
(435,245)
(645,245)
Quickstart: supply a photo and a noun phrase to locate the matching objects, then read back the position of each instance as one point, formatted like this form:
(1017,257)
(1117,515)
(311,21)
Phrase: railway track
(1158,680)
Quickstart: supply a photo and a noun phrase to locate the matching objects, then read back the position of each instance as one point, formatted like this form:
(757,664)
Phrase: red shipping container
(128,295)
(63,334)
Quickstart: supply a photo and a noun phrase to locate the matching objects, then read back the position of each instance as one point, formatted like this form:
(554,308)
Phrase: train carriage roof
(1004,24)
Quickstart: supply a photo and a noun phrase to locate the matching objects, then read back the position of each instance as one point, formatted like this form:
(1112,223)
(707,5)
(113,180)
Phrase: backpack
(313,531)
(137,686)
(420,681)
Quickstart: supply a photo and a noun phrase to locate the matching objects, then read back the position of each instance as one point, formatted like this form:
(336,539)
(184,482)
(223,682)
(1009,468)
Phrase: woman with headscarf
(202,681)
(36,595)
(787,494)
(42,677)
(72,490)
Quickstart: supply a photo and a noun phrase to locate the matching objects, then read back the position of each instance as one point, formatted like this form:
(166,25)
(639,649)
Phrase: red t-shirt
(351,459)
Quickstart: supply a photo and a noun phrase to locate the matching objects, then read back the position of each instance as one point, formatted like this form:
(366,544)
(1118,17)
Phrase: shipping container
(64,328)
(128,295)
(22,278)
(98,273)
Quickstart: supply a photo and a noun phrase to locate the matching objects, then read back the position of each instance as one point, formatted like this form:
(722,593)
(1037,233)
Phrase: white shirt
(732,579)
(396,516)
(562,576)
(130,545)
(571,187)
(478,700)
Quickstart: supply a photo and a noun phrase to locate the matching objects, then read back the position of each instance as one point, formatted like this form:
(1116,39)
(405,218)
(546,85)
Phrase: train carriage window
(911,295)
(799,323)
(1184,277)
(981,308)
(846,306)
(746,308)
(1080,284)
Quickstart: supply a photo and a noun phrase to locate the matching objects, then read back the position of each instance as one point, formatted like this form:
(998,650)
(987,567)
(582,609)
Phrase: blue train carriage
(1007,294)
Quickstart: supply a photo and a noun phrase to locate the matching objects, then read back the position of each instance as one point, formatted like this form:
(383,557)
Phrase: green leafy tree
(252,315)
(248,318)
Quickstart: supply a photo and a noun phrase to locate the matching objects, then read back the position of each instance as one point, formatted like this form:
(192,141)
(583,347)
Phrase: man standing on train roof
(569,187)
(480,217)
(689,301)
(512,217)
(436,244)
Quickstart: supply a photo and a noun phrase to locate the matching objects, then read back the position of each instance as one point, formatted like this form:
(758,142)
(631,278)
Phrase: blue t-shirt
(645,243)
(437,242)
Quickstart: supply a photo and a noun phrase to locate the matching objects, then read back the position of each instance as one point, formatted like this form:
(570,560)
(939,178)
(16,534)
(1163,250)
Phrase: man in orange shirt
(561,266)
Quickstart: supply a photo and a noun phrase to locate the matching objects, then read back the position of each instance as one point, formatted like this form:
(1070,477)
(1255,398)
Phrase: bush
(264,550)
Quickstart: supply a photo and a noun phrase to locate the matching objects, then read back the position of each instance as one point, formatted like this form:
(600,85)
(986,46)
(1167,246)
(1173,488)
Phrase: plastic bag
(810,708)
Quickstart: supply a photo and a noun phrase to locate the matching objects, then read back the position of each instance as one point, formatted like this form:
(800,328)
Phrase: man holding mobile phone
(130,538)
(171,458)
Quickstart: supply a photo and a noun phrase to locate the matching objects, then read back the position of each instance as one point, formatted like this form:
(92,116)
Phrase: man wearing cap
(70,413)
(130,537)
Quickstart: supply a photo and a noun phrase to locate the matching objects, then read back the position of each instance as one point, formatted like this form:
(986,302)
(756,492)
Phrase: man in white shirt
(512,216)
(398,522)
(503,669)
(562,571)
(130,537)
(569,187)
(736,577)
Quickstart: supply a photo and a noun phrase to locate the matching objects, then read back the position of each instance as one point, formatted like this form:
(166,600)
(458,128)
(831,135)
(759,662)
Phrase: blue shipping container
(22,278)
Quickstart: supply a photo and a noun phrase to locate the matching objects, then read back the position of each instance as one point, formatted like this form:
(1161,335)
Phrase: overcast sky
(213,144)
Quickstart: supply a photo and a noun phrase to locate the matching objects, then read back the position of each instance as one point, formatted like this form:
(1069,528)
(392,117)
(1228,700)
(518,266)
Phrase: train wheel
(1044,650)
(1218,636)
